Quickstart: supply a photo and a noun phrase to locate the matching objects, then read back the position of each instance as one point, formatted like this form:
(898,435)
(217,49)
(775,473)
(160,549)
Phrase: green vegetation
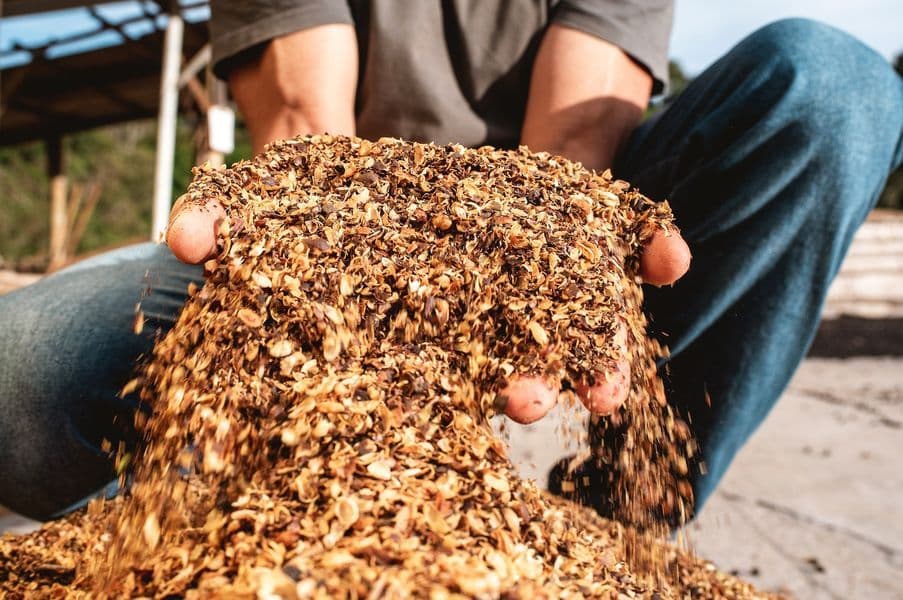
(121,159)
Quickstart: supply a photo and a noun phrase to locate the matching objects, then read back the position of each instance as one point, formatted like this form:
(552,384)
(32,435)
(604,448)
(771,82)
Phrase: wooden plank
(59,217)
(10,280)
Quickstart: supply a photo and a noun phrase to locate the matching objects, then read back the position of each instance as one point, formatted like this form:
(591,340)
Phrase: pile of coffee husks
(321,408)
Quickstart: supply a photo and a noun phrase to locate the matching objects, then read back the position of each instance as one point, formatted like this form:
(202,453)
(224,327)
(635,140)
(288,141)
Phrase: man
(771,159)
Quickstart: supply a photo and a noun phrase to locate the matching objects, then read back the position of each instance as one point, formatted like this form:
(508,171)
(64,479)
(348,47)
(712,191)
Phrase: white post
(166,124)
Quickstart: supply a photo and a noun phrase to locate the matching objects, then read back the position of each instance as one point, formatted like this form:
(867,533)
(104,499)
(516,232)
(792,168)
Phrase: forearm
(585,98)
(293,89)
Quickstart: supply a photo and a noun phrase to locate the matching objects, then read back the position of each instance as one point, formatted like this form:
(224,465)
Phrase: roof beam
(13,8)
(166,124)
(103,89)
(195,65)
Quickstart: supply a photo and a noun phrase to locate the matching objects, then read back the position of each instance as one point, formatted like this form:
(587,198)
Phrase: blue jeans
(771,159)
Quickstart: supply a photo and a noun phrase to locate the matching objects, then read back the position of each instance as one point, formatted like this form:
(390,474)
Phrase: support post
(59,217)
(216,97)
(166,122)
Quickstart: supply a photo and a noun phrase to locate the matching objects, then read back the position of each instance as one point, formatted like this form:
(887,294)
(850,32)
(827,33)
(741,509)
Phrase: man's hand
(192,238)
(664,260)
(586,97)
(192,230)
(288,90)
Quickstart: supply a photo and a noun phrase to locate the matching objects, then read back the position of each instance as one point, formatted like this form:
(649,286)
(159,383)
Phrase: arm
(288,90)
(585,98)
(302,83)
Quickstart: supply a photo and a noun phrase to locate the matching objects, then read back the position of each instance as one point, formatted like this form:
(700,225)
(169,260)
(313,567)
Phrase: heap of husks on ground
(321,408)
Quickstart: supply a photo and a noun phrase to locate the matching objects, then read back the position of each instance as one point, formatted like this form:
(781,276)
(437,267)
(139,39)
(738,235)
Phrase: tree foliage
(120,158)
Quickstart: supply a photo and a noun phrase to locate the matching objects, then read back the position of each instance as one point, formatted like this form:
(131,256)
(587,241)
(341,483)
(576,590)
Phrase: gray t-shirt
(445,70)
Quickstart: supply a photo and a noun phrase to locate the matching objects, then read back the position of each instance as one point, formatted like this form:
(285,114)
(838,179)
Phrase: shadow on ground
(848,336)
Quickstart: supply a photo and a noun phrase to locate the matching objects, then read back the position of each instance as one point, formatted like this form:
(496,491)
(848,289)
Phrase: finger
(665,258)
(192,231)
(528,399)
(606,392)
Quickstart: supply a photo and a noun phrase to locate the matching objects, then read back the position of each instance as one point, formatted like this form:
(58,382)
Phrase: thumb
(665,258)
(191,234)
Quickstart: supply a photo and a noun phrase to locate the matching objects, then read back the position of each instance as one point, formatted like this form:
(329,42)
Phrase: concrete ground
(813,504)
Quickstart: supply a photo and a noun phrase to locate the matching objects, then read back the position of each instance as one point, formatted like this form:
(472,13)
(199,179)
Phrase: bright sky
(703,29)
(706,29)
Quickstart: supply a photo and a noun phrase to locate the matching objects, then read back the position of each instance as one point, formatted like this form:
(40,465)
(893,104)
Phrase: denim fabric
(68,347)
(771,159)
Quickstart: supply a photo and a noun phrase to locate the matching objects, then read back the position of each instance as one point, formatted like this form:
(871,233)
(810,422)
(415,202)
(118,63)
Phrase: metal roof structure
(108,71)
(51,96)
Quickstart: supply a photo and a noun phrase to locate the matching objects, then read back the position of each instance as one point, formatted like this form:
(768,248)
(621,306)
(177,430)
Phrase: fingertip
(606,394)
(665,258)
(528,399)
(192,232)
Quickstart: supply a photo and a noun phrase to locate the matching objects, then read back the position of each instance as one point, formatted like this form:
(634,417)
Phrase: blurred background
(89,92)
(82,84)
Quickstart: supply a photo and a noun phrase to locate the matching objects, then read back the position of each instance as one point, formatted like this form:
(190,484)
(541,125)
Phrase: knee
(831,87)
(837,104)
(815,53)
